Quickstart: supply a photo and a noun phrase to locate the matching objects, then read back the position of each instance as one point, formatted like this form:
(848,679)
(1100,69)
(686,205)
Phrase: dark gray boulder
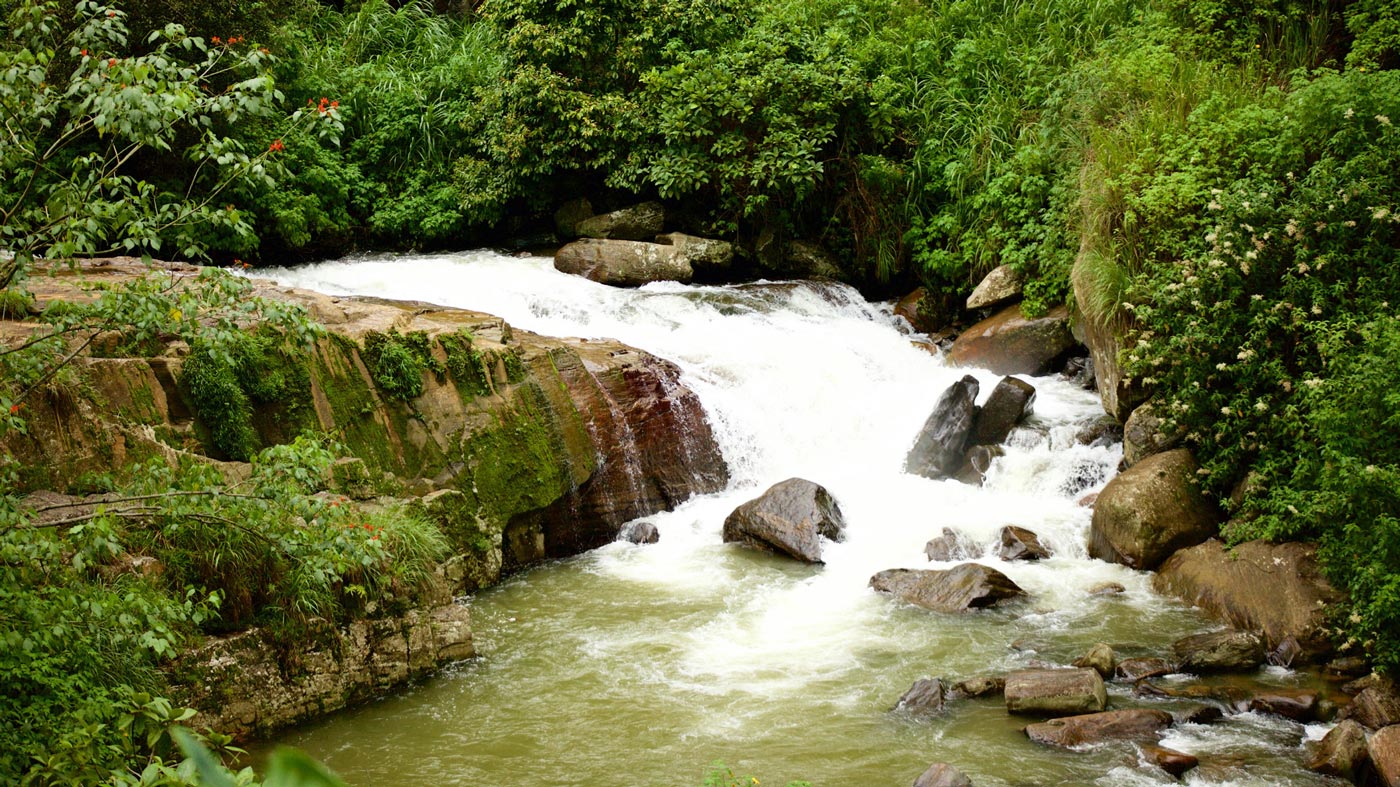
(938,451)
(1011,401)
(789,519)
(640,533)
(958,589)
(926,696)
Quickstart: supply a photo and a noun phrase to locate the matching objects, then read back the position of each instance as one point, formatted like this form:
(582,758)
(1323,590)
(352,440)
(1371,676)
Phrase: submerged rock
(637,222)
(1219,651)
(1055,692)
(1151,510)
(1010,402)
(939,448)
(1018,543)
(789,519)
(1069,731)
(941,774)
(1276,590)
(623,263)
(958,589)
(1297,704)
(1008,343)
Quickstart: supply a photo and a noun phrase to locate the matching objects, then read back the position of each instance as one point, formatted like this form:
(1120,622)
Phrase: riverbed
(640,665)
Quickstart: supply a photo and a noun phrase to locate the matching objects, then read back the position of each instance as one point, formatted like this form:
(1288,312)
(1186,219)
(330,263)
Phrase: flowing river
(640,665)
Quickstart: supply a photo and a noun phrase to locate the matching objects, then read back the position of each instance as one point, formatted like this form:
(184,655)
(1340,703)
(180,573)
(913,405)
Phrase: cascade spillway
(641,665)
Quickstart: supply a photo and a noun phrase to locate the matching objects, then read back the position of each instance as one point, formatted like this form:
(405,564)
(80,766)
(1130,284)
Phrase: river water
(640,665)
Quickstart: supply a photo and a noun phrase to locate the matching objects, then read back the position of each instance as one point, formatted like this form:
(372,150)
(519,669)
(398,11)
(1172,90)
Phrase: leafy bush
(398,361)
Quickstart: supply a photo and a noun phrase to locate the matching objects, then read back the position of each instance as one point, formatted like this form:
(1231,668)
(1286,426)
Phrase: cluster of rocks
(961,438)
(1074,709)
(629,247)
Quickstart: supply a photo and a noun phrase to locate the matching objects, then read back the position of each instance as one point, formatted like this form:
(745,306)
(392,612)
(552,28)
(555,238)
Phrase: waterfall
(661,658)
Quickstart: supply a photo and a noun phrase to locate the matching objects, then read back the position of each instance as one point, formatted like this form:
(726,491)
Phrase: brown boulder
(709,258)
(1018,543)
(1276,590)
(999,286)
(938,450)
(1375,707)
(1341,752)
(1170,760)
(637,222)
(1008,343)
(790,518)
(1219,651)
(623,263)
(1296,704)
(958,589)
(1137,723)
(1384,748)
(911,307)
(1143,667)
(941,774)
(1010,402)
(1151,510)
(1055,692)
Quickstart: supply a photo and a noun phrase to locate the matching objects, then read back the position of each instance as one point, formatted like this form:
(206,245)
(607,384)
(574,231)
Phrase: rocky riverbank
(520,447)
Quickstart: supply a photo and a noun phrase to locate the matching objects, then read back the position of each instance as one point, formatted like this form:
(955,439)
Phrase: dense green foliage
(1216,182)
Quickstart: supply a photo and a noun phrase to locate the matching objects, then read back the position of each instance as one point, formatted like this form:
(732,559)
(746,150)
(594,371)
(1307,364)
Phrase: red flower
(276,146)
(84,53)
(14,408)
(335,104)
(111,62)
(215,39)
(111,14)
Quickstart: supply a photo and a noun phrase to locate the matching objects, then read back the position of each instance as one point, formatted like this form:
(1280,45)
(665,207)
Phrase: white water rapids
(640,665)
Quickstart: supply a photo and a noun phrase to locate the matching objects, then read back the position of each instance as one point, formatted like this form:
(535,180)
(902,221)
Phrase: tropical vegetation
(1215,183)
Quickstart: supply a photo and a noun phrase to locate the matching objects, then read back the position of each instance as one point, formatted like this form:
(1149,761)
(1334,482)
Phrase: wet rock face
(958,589)
(948,547)
(640,533)
(1375,707)
(1170,760)
(1055,692)
(1151,510)
(1276,590)
(789,519)
(1136,669)
(1008,343)
(1138,723)
(938,451)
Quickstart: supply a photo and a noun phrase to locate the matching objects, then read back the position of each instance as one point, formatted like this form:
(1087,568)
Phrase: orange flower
(276,146)
(111,62)
(14,408)
(215,39)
